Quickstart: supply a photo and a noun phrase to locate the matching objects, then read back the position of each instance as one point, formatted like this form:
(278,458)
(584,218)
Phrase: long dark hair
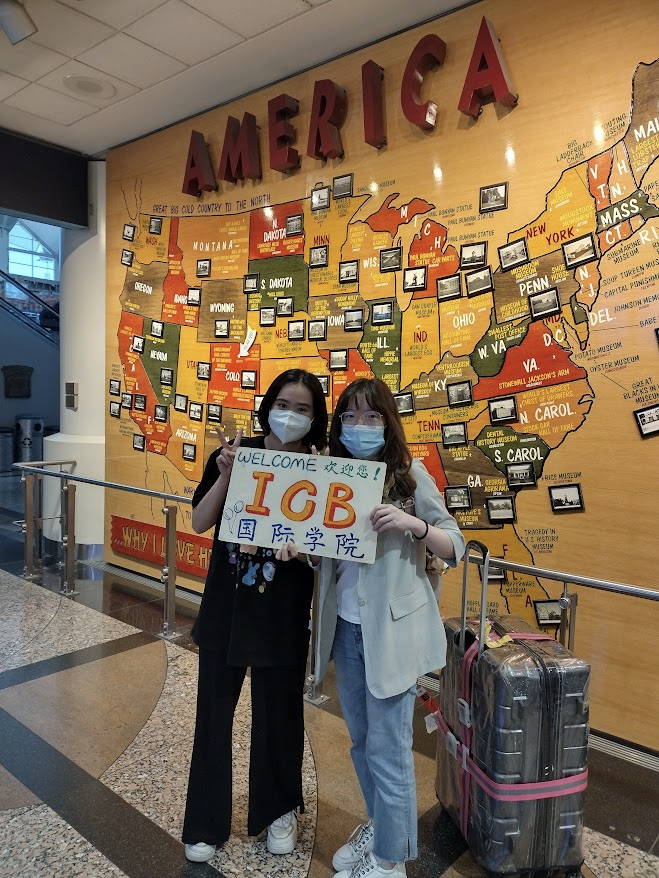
(400,482)
(317,435)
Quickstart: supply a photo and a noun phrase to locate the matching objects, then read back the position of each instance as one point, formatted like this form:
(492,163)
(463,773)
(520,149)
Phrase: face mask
(361,441)
(289,426)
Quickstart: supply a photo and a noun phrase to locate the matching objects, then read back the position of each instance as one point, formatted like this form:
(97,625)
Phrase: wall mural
(500,274)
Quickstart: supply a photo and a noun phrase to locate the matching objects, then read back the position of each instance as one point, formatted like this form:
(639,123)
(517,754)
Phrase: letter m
(240,153)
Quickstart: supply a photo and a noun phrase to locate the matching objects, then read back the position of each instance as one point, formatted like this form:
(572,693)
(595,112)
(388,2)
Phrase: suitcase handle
(485,555)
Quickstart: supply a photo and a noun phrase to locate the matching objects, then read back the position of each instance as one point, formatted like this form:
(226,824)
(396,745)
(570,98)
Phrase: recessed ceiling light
(89,86)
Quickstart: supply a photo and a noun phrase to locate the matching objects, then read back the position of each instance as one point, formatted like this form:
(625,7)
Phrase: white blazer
(402,630)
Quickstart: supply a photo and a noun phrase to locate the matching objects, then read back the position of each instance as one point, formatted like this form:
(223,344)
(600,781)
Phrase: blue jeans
(381,734)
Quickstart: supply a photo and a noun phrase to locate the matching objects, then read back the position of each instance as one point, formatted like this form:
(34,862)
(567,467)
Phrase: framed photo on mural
(457,497)
(167,377)
(196,411)
(213,413)
(566,498)
(256,423)
(138,442)
(126,400)
(415,278)
(318,330)
(520,475)
(115,408)
(115,387)
(294,225)
(459,393)
(342,186)
(494,574)
(250,283)
(479,281)
(647,420)
(129,232)
(160,413)
(448,287)
(494,197)
(500,509)
(258,399)
(349,272)
(382,313)
(222,328)
(391,259)
(189,451)
(353,320)
(324,383)
(248,379)
(544,304)
(138,344)
(320,198)
(296,330)
(155,225)
(338,359)
(180,402)
(139,402)
(579,251)
(502,409)
(194,296)
(515,253)
(267,317)
(157,329)
(204,371)
(404,403)
(473,255)
(454,434)
(203,267)
(547,613)
(127,257)
(285,306)
(319,256)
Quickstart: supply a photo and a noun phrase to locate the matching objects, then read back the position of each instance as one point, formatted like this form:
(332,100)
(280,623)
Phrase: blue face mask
(361,441)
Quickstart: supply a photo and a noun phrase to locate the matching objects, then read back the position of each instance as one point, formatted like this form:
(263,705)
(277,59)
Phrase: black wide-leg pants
(276,750)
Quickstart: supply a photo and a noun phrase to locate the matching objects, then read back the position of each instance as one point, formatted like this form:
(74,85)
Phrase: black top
(254,607)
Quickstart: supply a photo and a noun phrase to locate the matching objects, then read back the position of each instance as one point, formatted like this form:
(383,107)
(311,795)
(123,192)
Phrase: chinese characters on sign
(322,504)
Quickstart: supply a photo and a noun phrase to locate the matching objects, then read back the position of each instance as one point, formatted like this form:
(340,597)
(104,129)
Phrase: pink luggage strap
(515,792)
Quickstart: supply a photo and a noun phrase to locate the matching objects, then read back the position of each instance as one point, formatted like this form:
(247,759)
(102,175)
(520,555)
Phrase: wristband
(423,535)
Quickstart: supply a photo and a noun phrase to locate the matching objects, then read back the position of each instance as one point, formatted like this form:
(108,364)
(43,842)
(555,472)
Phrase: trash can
(6,449)
(29,438)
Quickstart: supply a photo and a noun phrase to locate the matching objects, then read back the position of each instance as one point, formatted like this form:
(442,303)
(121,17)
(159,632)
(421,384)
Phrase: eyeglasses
(371,419)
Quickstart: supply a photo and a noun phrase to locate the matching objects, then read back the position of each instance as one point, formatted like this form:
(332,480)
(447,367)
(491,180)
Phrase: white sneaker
(368,867)
(282,834)
(359,843)
(200,852)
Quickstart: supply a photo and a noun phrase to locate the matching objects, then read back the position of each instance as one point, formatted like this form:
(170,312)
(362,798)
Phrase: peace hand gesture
(226,457)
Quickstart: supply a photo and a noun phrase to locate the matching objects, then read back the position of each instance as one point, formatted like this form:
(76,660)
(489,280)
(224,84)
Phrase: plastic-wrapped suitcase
(513,742)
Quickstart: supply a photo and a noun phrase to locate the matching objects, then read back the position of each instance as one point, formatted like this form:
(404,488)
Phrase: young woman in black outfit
(254,613)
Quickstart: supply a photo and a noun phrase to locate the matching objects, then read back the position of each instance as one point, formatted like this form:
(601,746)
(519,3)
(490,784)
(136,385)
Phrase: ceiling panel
(134,62)
(251,17)
(117,13)
(9,84)
(84,83)
(48,104)
(183,32)
(65,30)
(27,60)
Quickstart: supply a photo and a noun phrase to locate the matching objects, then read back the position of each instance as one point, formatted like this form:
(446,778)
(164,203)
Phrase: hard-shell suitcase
(513,741)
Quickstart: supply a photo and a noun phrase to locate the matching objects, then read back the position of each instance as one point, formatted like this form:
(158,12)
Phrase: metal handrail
(37,470)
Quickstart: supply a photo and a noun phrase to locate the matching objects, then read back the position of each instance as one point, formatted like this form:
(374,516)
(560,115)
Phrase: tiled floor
(96,724)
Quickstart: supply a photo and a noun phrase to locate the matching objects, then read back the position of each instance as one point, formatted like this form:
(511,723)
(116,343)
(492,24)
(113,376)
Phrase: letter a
(198,175)
(487,74)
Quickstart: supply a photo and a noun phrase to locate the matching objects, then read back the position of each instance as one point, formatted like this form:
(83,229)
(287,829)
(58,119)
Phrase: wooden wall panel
(579,143)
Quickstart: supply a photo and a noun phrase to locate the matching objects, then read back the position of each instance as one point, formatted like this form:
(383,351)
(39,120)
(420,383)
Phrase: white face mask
(289,426)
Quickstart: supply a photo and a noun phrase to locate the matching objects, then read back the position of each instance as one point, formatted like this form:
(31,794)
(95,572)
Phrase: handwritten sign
(321,504)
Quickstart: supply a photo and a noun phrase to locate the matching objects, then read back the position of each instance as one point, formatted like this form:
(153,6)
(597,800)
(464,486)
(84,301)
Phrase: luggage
(513,742)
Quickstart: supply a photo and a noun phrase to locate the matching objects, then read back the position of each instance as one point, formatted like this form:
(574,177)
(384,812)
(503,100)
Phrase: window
(28,257)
